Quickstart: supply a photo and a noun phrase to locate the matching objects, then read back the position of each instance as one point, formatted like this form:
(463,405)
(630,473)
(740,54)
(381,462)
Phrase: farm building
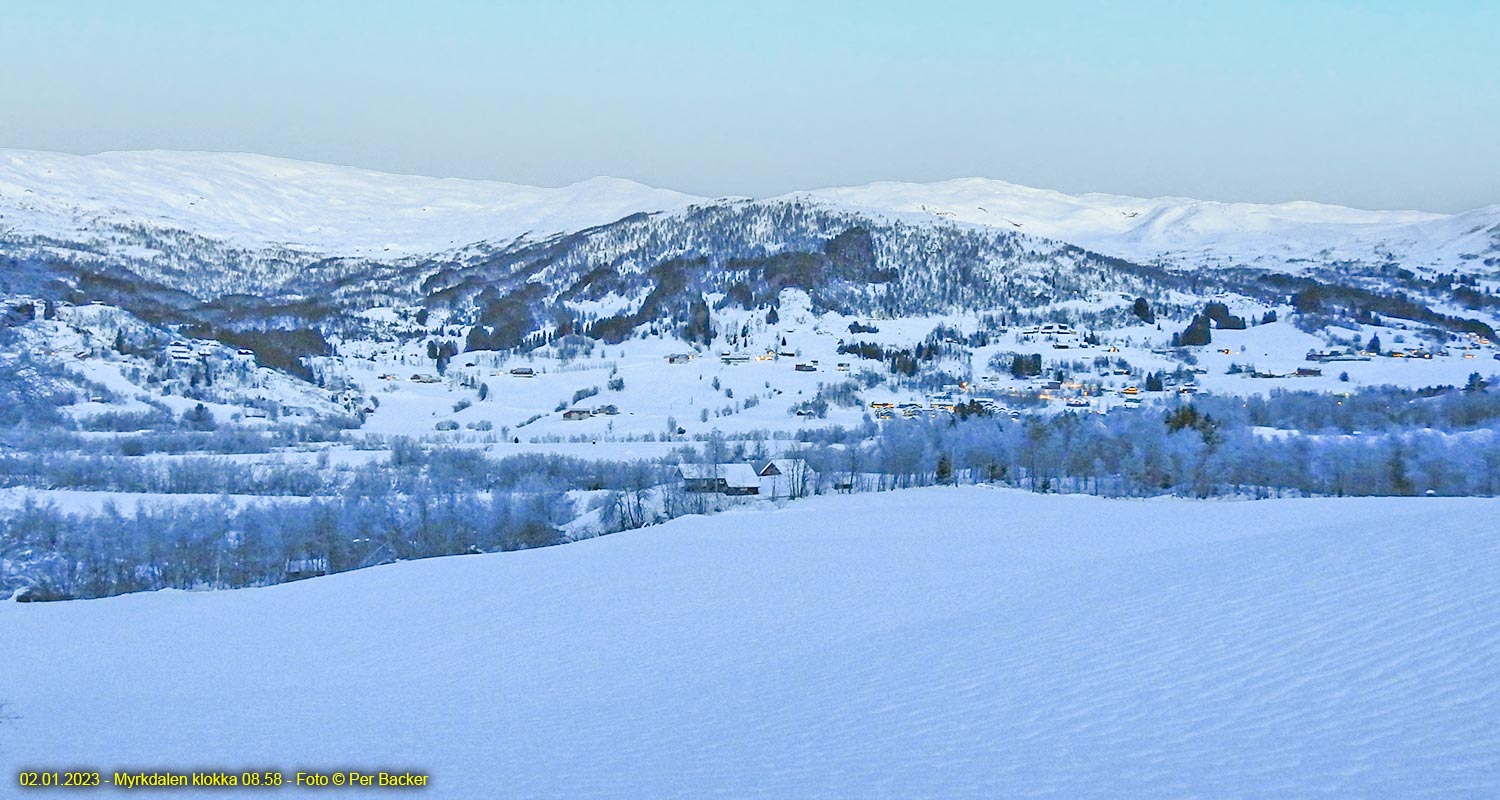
(180,351)
(734,479)
(299,568)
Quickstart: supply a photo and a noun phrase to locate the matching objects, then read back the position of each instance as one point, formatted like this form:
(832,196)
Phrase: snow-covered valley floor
(936,643)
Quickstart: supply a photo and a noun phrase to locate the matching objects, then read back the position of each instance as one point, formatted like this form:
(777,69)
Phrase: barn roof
(739,476)
(736,476)
(785,466)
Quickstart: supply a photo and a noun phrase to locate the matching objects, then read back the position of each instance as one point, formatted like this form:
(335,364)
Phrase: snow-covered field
(930,643)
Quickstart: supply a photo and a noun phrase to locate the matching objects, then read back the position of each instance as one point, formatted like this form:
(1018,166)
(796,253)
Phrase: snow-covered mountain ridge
(227,243)
(254,201)
(257,202)
(1188,232)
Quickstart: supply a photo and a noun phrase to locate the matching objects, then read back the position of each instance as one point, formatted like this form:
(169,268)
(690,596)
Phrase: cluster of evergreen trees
(1314,298)
(1198,332)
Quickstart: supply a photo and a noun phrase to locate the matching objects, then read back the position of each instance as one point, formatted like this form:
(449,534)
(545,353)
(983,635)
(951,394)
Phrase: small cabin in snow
(577,413)
(731,479)
(299,568)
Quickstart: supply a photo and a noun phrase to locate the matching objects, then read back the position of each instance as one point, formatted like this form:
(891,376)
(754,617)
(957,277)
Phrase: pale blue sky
(1372,104)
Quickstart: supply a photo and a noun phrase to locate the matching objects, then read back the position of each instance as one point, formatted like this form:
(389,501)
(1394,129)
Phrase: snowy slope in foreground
(1005,645)
(1190,230)
(254,201)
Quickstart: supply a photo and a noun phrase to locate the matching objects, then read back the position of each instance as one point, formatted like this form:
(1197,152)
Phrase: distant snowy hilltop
(255,201)
(1190,232)
(252,202)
